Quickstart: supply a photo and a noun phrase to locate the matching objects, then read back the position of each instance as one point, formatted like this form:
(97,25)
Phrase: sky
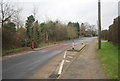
(69,10)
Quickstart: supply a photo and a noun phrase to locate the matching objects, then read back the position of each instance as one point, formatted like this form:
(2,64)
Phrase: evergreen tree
(29,26)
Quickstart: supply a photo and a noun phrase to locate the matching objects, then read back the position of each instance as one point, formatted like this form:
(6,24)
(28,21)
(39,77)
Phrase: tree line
(16,34)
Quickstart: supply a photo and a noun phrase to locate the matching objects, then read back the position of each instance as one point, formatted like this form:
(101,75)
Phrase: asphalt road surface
(22,67)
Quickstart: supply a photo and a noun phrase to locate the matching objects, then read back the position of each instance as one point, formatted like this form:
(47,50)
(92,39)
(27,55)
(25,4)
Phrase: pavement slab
(86,66)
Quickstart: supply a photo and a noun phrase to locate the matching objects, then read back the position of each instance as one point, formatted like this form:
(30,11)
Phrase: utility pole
(2,12)
(99,24)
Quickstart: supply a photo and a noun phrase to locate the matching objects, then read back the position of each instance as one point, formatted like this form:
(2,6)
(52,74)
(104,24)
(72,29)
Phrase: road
(21,67)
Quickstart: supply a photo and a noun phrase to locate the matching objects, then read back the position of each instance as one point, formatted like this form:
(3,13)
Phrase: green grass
(11,50)
(109,58)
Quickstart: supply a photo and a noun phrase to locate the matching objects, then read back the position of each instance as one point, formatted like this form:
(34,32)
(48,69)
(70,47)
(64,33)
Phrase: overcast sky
(70,10)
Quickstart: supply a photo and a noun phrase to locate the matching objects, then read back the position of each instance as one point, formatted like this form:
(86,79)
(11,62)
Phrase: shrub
(29,42)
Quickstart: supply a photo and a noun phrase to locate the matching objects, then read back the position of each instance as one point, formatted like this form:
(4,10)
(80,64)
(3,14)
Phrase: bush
(29,42)
(10,40)
(36,44)
(86,35)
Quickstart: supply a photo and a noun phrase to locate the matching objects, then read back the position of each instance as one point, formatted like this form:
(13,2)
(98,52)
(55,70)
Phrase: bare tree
(87,25)
(7,11)
(17,18)
(34,11)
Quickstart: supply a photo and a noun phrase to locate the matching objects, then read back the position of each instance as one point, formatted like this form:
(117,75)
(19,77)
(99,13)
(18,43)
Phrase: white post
(64,55)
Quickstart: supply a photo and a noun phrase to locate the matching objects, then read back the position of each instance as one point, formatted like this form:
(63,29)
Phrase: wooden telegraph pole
(99,24)
(2,12)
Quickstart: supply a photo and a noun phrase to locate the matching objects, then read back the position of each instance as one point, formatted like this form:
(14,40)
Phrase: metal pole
(99,24)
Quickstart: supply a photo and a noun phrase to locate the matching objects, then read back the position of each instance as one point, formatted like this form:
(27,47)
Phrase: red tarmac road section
(57,47)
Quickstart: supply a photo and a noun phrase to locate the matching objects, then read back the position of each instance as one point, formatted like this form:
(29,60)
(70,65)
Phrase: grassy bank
(109,58)
(12,50)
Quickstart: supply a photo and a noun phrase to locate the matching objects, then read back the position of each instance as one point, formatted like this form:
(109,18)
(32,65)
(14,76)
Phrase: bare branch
(8,12)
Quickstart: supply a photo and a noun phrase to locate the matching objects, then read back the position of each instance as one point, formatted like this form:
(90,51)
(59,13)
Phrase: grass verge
(4,52)
(109,58)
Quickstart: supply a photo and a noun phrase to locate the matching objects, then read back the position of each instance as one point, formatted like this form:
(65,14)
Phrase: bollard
(82,43)
(32,45)
(73,45)
(54,41)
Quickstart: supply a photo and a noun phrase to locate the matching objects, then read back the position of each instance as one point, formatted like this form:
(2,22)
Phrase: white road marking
(61,67)
(70,57)
(67,61)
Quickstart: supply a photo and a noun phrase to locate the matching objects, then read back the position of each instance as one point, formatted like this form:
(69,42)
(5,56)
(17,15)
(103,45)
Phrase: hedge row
(113,34)
(114,31)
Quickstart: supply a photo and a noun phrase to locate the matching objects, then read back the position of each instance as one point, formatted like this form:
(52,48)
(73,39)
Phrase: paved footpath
(86,66)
